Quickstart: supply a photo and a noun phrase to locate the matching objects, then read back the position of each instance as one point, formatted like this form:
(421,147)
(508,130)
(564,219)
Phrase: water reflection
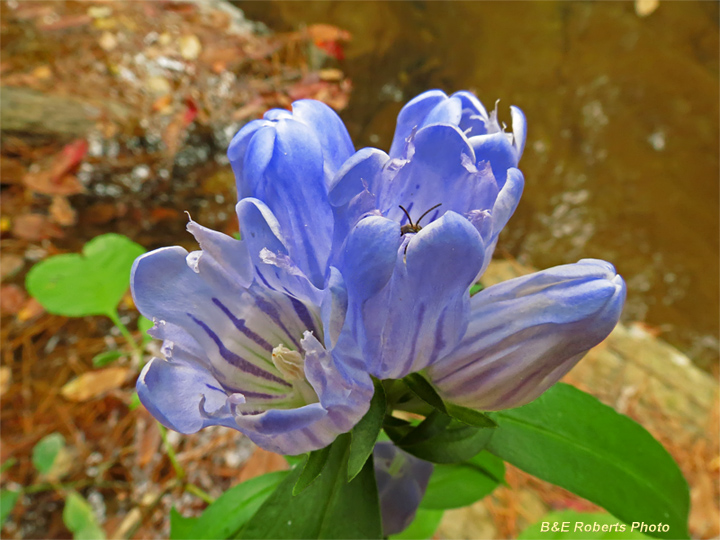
(622,154)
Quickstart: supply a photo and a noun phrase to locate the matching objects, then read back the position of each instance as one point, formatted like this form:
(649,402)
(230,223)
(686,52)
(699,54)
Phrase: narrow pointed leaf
(8,499)
(569,438)
(311,470)
(461,484)
(329,508)
(422,388)
(442,439)
(226,516)
(365,433)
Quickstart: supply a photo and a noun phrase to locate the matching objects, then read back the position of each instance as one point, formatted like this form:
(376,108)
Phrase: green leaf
(226,516)
(79,518)
(46,451)
(89,284)
(366,431)
(422,388)
(107,357)
(442,439)
(134,402)
(144,324)
(476,289)
(294,461)
(181,527)
(7,464)
(8,499)
(569,438)
(330,508)
(423,526)
(313,467)
(461,484)
(601,527)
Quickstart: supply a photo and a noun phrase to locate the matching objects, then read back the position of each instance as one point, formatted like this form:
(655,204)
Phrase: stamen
(290,363)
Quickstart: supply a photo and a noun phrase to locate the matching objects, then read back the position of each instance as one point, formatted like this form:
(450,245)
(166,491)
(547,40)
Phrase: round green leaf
(89,284)
(46,451)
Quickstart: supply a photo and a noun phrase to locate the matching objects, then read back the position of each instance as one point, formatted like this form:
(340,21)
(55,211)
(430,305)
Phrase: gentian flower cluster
(354,264)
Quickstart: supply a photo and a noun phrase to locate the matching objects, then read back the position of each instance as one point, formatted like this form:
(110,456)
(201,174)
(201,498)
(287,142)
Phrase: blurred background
(116,117)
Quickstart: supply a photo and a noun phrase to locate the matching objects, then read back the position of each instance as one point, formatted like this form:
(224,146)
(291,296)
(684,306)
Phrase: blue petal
(411,116)
(344,399)
(448,111)
(236,327)
(441,171)
(526,333)
(421,314)
(291,182)
(474,115)
(329,129)
(369,255)
(236,154)
(401,480)
(183,396)
(358,173)
(269,254)
(498,151)
(228,255)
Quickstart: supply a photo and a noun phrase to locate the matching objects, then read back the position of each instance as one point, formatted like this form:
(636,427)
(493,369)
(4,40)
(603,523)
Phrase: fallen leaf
(11,171)
(42,182)
(327,32)
(61,211)
(262,462)
(10,265)
(30,310)
(331,74)
(643,8)
(12,299)
(5,379)
(42,72)
(95,383)
(69,21)
(149,442)
(35,227)
(101,213)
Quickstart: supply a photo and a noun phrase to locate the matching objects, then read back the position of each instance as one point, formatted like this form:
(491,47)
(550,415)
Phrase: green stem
(179,471)
(192,488)
(115,318)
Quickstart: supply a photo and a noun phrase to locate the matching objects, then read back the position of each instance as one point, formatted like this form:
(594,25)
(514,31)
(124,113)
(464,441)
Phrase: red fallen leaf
(35,227)
(331,48)
(162,213)
(12,299)
(69,158)
(191,112)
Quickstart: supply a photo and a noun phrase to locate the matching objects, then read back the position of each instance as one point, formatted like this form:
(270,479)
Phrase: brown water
(621,161)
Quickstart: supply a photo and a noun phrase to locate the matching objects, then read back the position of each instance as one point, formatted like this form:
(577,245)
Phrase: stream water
(621,161)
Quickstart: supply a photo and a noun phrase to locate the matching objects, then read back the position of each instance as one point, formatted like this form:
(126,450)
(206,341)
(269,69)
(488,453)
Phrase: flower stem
(115,318)
(179,471)
(192,488)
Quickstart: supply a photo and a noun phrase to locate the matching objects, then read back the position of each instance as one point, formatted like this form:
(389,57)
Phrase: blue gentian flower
(408,301)
(241,354)
(401,481)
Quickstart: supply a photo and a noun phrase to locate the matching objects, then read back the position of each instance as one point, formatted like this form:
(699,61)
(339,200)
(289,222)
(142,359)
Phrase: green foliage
(569,438)
(8,499)
(313,467)
(329,508)
(440,438)
(226,516)
(476,289)
(89,284)
(365,433)
(79,518)
(595,520)
(461,484)
(46,451)
(144,324)
(106,357)
(425,391)
(423,526)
